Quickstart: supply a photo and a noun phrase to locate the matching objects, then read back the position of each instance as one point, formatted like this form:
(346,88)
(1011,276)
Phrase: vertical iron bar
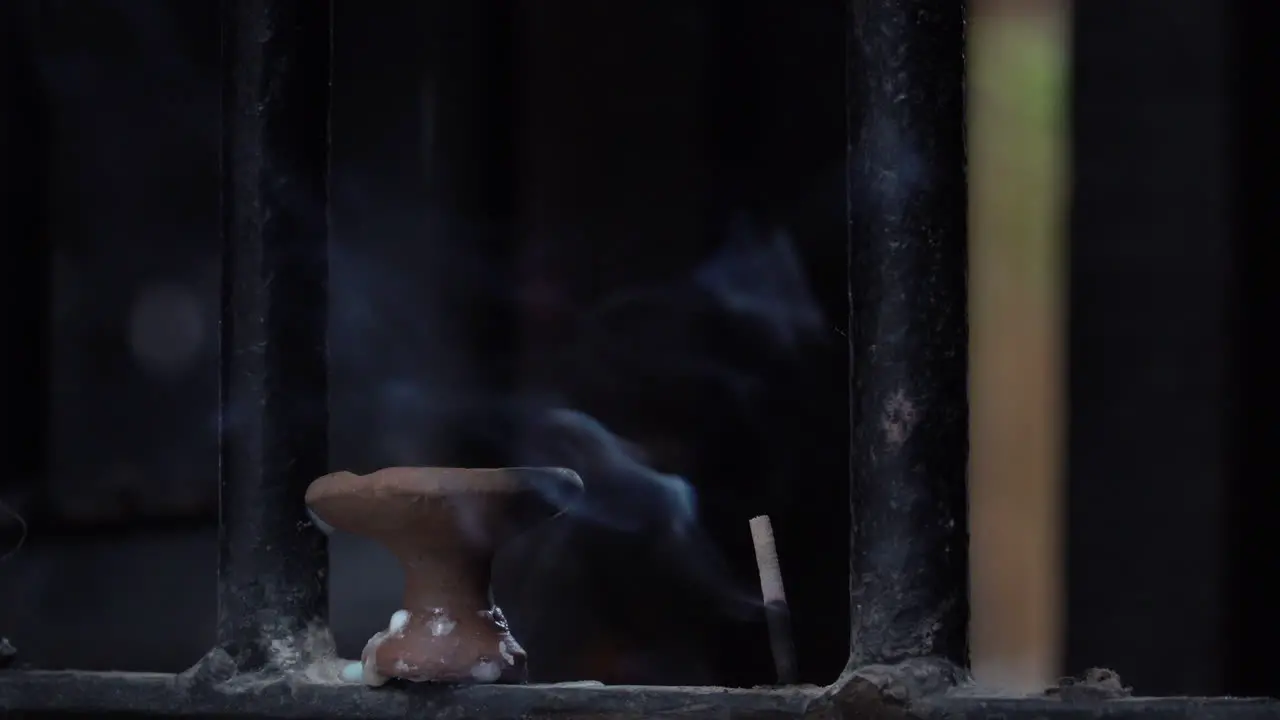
(909,330)
(27,276)
(274,423)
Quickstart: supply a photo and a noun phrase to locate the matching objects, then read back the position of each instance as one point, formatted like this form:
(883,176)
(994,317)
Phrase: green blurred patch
(1017,141)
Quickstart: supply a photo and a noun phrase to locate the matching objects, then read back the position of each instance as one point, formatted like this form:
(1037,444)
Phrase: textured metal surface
(909,332)
(169,695)
(70,694)
(274,376)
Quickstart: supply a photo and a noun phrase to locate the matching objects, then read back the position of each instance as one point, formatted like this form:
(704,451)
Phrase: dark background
(1172,489)
(529,217)
(632,212)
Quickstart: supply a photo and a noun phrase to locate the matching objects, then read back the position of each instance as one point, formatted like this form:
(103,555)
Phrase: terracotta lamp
(444,525)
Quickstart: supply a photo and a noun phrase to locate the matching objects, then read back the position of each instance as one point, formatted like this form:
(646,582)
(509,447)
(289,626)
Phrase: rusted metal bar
(274,424)
(909,330)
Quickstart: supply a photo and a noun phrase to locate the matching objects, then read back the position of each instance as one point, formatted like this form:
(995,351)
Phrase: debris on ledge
(1095,684)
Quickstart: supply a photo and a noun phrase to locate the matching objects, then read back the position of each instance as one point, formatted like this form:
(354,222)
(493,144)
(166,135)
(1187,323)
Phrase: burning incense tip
(777,614)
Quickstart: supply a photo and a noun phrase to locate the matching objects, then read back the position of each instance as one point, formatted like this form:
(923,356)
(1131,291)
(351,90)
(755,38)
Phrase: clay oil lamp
(443,525)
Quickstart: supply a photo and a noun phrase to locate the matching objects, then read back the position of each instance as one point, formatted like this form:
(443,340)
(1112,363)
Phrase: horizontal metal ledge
(249,696)
(280,697)
(1137,708)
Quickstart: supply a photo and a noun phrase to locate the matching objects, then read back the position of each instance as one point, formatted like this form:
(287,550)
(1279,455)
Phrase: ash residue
(291,651)
(907,681)
(295,657)
(1095,684)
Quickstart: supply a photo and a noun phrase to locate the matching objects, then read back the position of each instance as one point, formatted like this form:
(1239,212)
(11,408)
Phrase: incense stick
(776,612)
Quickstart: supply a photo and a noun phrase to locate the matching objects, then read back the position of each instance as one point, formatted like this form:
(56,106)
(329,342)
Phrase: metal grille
(908,339)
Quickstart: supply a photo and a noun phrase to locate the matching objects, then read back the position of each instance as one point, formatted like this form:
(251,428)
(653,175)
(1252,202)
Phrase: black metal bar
(27,274)
(909,331)
(63,694)
(272,563)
